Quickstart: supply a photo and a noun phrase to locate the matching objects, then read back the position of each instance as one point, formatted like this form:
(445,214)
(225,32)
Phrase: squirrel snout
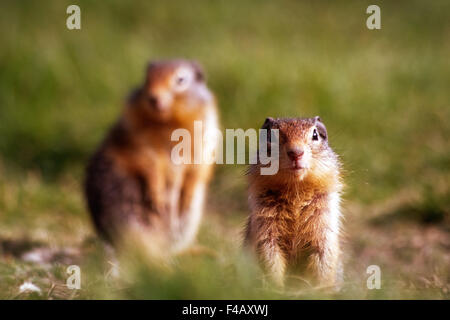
(295,153)
(153,100)
(161,101)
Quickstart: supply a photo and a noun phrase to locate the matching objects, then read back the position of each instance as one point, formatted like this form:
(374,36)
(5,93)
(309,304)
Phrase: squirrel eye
(315,136)
(182,79)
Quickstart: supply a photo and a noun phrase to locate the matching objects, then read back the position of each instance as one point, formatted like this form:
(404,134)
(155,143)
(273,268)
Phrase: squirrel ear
(317,118)
(268,123)
(199,73)
(322,130)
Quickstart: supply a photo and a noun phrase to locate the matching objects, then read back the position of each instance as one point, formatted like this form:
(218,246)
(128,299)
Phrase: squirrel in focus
(294,224)
(132,184)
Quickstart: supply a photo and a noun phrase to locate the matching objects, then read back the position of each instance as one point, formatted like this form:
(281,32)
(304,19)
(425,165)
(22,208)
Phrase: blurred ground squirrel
(295,214)
(132,183)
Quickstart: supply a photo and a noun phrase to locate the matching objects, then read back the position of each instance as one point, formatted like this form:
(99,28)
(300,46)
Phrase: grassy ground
(382,94)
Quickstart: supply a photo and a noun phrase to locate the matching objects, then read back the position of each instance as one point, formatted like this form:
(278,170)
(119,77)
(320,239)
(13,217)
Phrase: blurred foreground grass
(384,96)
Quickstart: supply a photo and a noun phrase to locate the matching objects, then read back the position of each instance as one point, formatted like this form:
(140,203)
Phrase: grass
(382,94)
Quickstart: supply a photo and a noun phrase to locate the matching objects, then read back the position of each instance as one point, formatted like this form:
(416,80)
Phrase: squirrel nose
(153,100)
(295,153)
(160,100)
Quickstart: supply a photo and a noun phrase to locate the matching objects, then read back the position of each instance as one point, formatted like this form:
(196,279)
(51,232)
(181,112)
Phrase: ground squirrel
(295,214)
(131,181)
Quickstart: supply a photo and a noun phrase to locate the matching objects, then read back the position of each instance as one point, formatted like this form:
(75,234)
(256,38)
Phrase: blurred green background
(383,94)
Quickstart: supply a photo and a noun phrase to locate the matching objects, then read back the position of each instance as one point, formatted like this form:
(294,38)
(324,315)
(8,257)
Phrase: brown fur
(131,182)
(294,220)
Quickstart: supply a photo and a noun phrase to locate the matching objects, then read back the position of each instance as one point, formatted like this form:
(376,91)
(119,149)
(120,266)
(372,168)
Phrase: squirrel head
(303,149)
(173,90)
